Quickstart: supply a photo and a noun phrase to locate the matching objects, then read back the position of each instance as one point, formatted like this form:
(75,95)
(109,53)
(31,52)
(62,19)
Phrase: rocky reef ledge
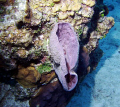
(47,47)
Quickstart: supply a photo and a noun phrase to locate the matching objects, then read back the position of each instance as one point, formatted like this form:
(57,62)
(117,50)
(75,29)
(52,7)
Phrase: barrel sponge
(64,50)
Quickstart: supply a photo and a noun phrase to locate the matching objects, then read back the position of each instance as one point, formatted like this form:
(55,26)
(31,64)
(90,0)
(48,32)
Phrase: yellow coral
(89,2)
(64,7)
(62,15)
(56,8)
(56,1)
(76,6)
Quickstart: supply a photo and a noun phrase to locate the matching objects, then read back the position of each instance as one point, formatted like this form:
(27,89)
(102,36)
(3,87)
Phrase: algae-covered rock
(105,25)
(100,33)
(86,11)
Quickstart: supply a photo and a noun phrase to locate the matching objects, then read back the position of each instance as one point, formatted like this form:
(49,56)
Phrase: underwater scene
(59,53)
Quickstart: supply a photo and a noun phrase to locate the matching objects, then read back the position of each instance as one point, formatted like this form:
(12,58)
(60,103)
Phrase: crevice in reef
(95,57)
(5,77)
(20,25)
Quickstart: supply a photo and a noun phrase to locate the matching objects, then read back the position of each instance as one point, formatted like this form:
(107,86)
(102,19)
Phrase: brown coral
(27,77)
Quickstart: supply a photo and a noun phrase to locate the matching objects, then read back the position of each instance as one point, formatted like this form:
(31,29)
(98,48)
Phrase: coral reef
(102,29)
(18,39)
(27,27)
(70,11)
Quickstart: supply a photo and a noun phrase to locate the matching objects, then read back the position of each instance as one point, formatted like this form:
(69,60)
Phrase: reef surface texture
(42,38)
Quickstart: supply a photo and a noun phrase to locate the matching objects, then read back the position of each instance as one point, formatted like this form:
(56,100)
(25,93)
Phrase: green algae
(79,31)
(45,67)
(103,36)
(52,4)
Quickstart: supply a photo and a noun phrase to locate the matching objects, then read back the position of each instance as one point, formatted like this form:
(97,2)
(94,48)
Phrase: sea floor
(101,88)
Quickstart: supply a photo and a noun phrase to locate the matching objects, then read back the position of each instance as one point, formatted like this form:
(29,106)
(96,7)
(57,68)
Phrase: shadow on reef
(5,77)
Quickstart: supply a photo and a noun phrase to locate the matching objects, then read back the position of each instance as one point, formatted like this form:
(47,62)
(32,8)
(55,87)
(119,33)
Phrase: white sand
(101,88)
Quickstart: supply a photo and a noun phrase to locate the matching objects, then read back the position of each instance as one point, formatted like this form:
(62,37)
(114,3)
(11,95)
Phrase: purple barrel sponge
(64,50)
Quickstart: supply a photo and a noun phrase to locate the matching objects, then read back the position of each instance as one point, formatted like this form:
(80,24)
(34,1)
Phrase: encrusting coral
(27,77)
